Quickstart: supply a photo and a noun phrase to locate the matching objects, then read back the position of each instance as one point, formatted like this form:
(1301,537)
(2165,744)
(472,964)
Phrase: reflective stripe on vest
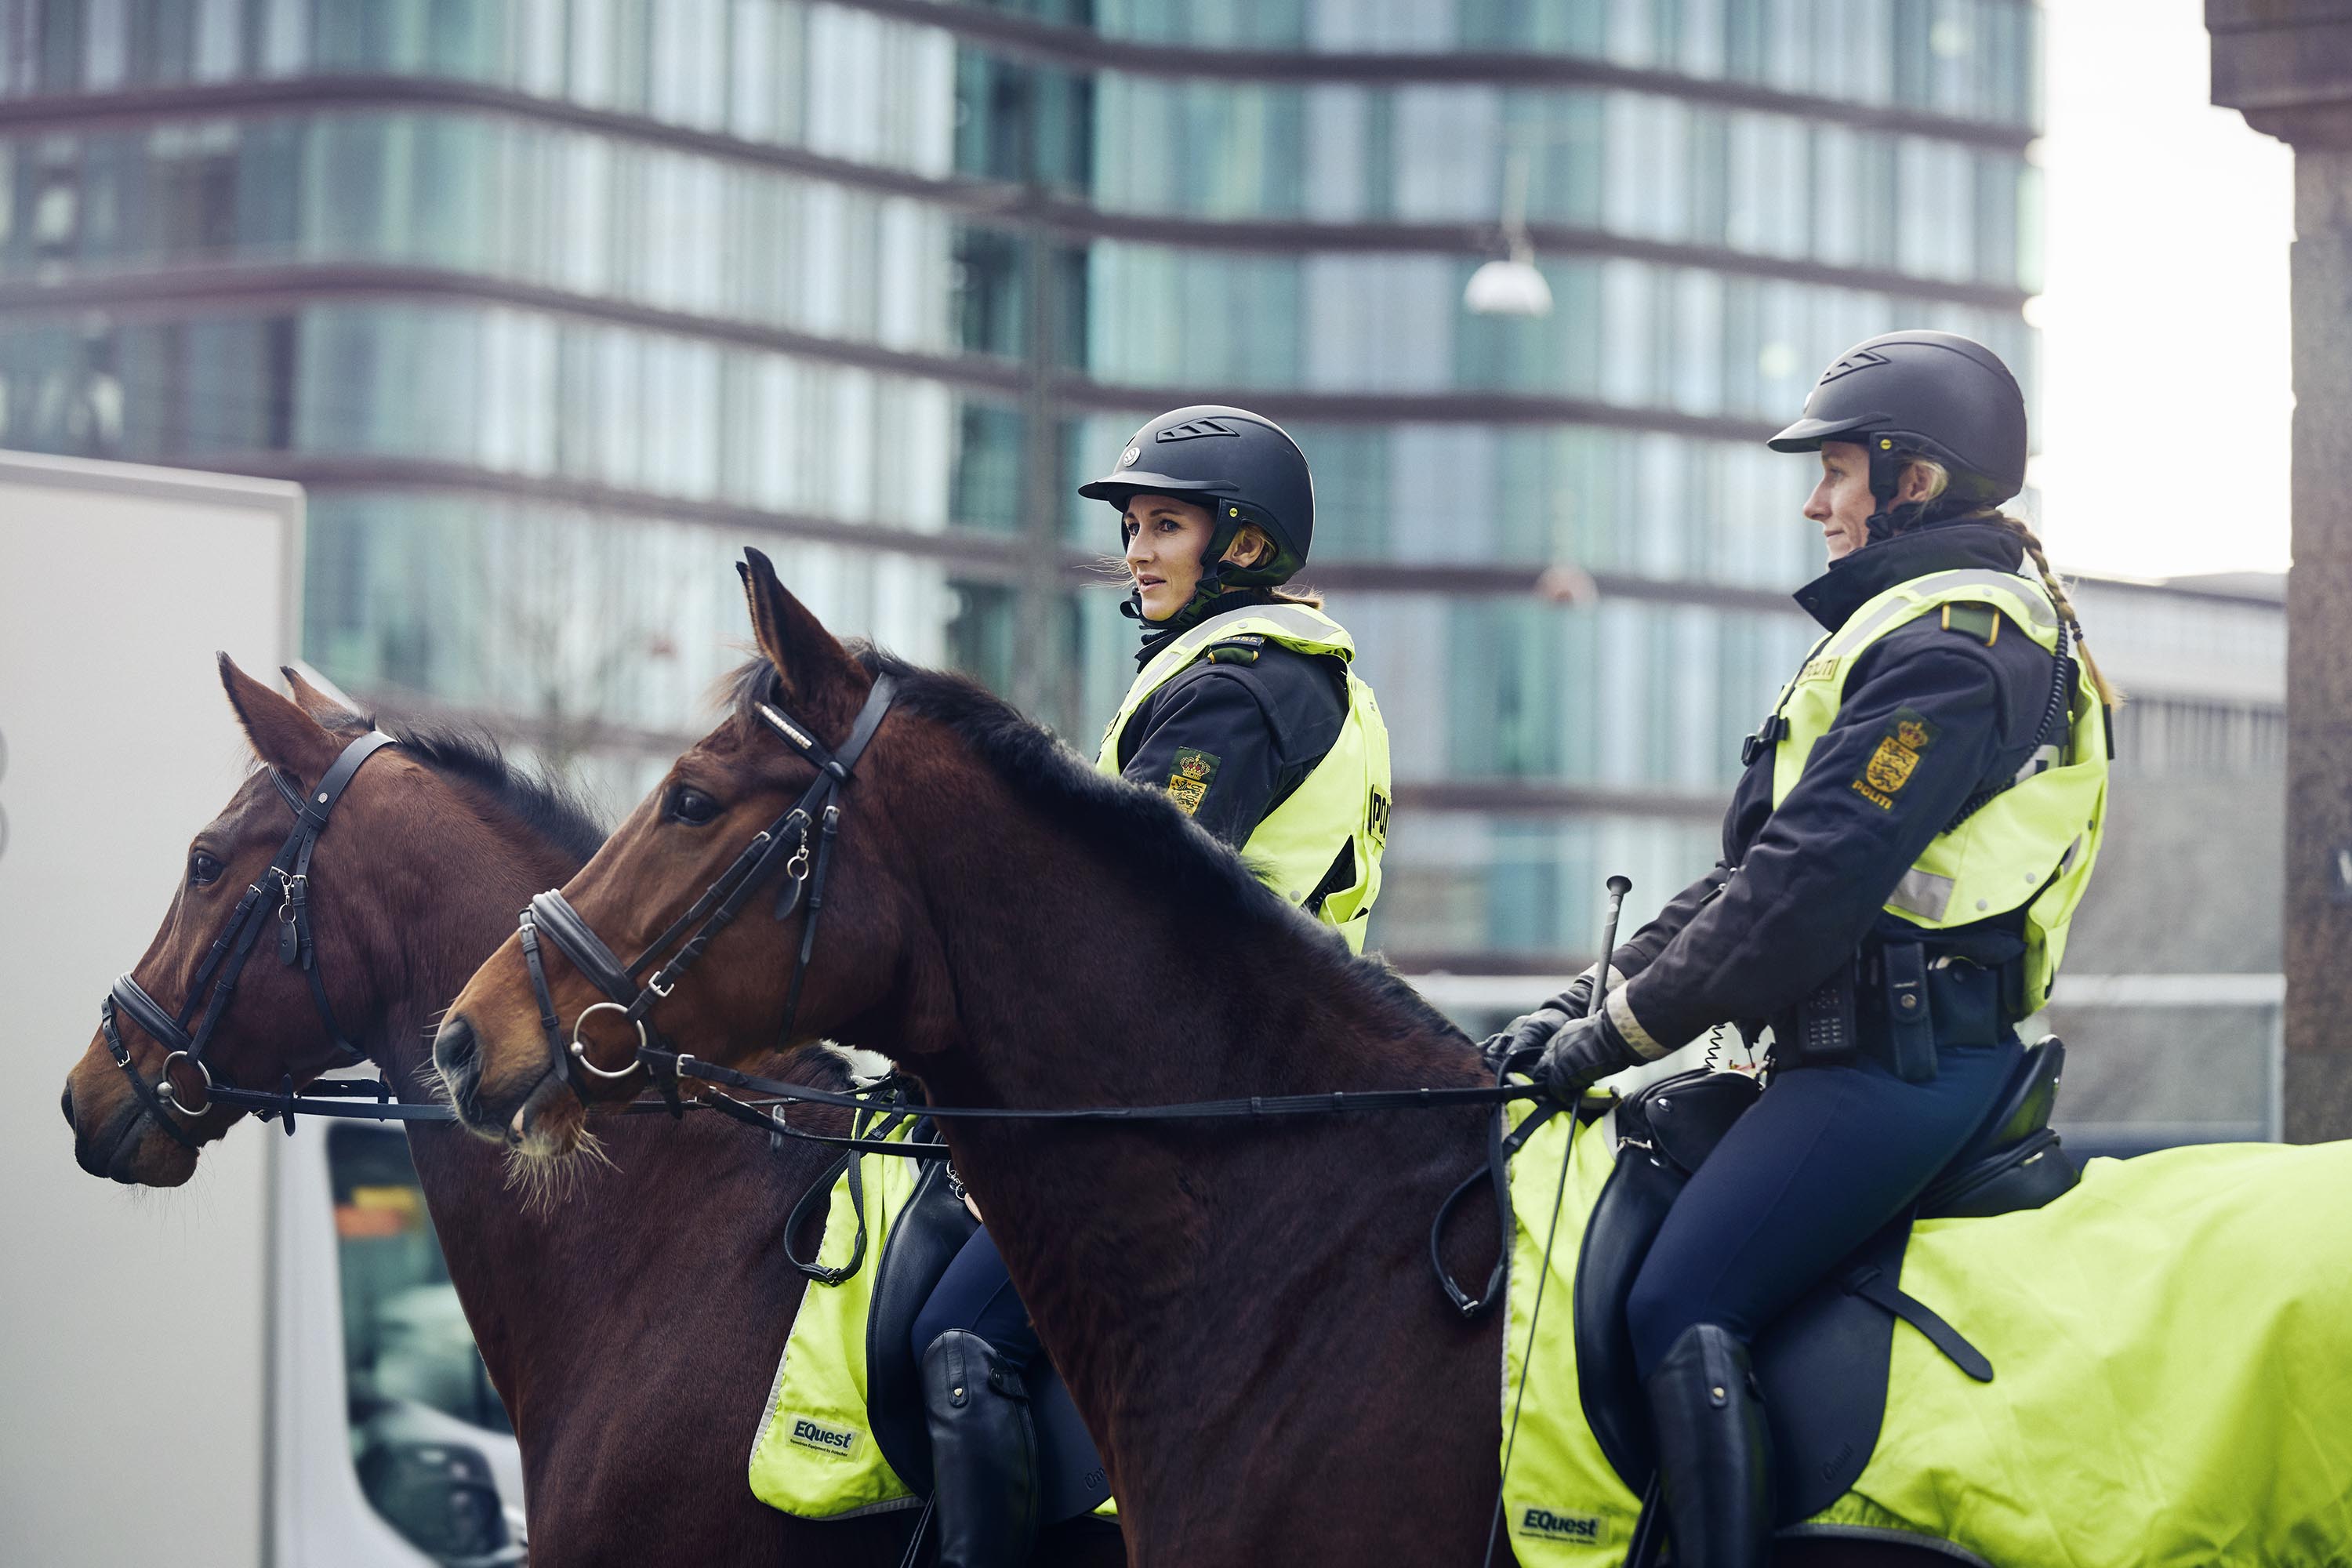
(2033,844)
(1344,801)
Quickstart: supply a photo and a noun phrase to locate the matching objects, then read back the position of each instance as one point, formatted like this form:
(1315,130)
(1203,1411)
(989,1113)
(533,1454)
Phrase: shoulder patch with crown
(1189,781)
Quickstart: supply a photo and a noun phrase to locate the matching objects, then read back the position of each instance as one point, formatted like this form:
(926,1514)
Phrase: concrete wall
(2288,66)
(2189,884)
(134,1325)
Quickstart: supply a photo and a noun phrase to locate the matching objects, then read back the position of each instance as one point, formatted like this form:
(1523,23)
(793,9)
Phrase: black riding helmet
(1921,394)
(1244,466)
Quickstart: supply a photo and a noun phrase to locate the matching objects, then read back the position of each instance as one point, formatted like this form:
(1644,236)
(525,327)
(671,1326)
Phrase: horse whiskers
(545,1180)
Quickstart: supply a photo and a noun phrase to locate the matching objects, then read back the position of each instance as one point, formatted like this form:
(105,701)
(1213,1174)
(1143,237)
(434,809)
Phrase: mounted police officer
(1246,712)
(1917,820)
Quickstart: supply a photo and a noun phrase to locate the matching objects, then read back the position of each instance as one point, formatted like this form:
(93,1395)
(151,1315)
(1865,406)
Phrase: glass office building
(553,305)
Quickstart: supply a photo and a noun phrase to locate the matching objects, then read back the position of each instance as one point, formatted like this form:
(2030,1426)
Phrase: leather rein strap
(800,840)
(224,962)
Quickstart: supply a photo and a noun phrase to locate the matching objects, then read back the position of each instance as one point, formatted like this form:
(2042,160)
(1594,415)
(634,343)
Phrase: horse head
(152,1138)
(507,1060)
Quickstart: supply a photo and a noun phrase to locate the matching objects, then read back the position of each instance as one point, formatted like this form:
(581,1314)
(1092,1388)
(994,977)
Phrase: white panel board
(134,1325)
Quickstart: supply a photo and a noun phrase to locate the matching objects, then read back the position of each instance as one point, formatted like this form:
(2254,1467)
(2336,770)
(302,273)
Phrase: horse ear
(283,735)
(809,660)
(331,712)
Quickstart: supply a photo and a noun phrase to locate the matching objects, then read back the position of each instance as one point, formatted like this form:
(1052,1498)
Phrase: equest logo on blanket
(823,1437)
(1586,1528)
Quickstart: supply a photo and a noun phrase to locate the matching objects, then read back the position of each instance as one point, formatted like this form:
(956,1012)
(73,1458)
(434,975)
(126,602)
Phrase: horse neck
(446,915)
(1072,985)
(539,1288)
(1138,1001)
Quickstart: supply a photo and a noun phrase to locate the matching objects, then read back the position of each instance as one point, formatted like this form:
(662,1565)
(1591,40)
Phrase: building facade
(553,305)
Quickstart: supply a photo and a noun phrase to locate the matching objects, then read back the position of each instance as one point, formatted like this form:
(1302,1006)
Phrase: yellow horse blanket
(2172,1353)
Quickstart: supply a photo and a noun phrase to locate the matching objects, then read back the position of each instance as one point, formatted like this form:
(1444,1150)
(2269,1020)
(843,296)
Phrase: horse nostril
(456,1053)
(65,1103)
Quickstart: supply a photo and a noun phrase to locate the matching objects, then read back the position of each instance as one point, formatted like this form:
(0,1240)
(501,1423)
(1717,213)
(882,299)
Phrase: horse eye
(692,806)
(201,869)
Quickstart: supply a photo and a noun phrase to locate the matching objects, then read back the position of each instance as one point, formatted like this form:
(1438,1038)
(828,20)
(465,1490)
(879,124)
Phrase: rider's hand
(1580,1053)
(1527,1035)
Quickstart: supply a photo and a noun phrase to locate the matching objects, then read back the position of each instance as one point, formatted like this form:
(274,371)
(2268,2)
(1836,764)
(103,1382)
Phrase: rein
(685,1064)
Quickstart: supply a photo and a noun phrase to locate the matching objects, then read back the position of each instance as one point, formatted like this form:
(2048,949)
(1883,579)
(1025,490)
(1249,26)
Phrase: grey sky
(2165,399)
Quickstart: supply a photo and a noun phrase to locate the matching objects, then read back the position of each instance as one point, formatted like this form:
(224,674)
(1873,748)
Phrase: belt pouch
(1823,1033)
(1910,1020)
(1967,1001)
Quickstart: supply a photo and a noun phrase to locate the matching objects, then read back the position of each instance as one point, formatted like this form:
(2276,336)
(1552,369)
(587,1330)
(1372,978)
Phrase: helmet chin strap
(1886,478)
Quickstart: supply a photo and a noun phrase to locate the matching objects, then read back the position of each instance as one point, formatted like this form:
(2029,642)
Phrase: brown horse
(634,1413)
(1244,1315)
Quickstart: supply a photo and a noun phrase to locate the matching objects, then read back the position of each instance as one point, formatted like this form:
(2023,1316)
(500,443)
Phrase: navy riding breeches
(976,1294)
(1824,1158)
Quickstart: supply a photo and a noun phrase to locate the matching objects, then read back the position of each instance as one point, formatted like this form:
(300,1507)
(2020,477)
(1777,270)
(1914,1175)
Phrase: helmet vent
(1193,430)
(1858,359)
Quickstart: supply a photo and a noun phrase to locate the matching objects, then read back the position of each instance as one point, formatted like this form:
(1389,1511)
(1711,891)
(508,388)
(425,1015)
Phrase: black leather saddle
(924,1240)
(1823,1364)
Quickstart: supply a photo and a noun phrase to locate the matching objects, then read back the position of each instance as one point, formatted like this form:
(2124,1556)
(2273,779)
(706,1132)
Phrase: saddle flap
(1633,1206)
(924,1240)
(1822,1365)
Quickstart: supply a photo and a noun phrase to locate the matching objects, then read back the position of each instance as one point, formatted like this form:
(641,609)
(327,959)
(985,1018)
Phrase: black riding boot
(1714,1453)
(984,1454)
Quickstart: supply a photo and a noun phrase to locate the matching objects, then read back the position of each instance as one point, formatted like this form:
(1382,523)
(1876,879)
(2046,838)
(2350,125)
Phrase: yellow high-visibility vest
(2031,845)
(1343,804)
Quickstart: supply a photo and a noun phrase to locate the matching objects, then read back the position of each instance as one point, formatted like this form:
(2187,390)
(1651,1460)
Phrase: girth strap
(1871,1283)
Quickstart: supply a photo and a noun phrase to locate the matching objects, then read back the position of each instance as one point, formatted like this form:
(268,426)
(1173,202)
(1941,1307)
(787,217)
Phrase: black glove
(1525,1036)
(1583,1052)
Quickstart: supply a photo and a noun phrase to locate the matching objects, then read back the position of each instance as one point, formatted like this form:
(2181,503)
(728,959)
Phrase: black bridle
(801,841)
(296,944)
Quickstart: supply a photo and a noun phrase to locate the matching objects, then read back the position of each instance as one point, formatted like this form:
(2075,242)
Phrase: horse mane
(1138,829)
(472,755)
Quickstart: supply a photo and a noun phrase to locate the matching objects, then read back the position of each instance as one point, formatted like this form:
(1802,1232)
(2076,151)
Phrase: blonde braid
(2051,586)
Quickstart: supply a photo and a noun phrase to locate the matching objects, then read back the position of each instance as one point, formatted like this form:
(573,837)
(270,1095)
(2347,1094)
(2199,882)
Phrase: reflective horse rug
(2172,1351)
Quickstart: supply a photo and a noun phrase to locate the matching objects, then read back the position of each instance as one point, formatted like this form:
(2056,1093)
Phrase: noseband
(800,840)
(226,962)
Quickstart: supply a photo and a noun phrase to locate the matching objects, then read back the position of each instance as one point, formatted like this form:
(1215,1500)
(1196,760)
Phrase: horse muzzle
(121,1144)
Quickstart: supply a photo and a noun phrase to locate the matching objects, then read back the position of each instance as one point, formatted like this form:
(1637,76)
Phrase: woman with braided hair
(1916,823)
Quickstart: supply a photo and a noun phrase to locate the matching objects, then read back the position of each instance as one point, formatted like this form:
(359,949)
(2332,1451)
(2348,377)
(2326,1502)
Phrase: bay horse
(635,1415)
(1244,1314)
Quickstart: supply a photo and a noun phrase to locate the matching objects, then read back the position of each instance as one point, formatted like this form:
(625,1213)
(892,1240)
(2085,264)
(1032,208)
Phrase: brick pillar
(2287,64)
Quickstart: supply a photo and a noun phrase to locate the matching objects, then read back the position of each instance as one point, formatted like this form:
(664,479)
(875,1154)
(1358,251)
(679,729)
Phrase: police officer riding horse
(1245,710)
(1915,824)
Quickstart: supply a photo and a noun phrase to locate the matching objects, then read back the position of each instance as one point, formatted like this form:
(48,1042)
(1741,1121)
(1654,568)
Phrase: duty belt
(1899,1001)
